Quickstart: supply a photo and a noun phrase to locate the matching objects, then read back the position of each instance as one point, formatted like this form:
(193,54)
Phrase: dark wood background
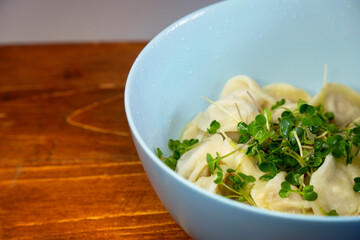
(68,166)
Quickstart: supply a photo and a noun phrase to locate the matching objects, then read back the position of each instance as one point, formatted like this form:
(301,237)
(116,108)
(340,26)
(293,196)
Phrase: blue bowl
(271,41)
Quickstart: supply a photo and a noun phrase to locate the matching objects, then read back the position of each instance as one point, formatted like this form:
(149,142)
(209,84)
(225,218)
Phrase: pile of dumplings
(333,181)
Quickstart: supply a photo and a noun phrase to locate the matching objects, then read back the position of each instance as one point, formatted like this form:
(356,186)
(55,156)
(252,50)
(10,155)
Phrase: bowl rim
(210,9)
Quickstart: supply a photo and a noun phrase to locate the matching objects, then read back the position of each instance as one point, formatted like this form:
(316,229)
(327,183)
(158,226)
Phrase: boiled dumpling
(290,93)
(228,111)
(333,182)
(208,184)
(192,165)
(239,160)
(192,130)
(238,86)
(341,100)
(229,118)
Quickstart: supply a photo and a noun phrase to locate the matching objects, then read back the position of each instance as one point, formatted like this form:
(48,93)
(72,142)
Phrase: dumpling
(341,100)
(192,130)
(229,118)
(192,165)
(238,86)
(290,93)
(266,195)
(333,182)
(208,184)
(228,111)
(247,164)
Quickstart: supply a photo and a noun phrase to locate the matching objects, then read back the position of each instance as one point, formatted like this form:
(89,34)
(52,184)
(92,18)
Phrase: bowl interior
(271,41)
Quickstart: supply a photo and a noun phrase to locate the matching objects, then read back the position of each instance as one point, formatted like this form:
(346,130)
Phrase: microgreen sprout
(298,142)
(330,213)
(240,185)
(307,192)
(213,162)
(278,104)
(214,126)
(357,184)
(178,149)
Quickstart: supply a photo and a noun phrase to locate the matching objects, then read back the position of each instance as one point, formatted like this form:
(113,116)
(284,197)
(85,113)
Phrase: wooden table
(68,166)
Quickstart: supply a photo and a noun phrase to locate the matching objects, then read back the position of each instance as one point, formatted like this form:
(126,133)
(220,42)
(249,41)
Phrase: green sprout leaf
(244,138)
(356,140)
(178,149)
(309,193)
(267,114)
(356,130)
(159,153)
(293,178)
(332,213)
(260,119)
(278,104)
(214,126)
(329,115)
(356,184)
(285,127)
(211,162)
(260,134)
(247,178)
(285,189)
(171,163)
(219,178)
(289,115)
(307,109)
(269,168)
(242,128)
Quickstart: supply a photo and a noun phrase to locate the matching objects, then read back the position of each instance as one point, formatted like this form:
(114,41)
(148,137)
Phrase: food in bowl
(276,148)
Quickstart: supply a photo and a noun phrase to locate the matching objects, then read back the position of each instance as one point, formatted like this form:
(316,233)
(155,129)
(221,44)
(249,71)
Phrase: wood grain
(68,166)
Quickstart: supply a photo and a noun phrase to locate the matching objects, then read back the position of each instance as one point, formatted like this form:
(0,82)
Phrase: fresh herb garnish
(356,184)
(330,213)
(278,104)
(178,149)
(214,126)
(213,162)
(297,142)
(307,192)
(240,185)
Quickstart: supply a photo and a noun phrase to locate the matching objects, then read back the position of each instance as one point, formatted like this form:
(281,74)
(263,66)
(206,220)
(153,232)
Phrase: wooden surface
(68,166)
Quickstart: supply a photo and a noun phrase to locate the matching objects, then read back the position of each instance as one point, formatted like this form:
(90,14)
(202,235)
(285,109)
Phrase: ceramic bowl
(271,41)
